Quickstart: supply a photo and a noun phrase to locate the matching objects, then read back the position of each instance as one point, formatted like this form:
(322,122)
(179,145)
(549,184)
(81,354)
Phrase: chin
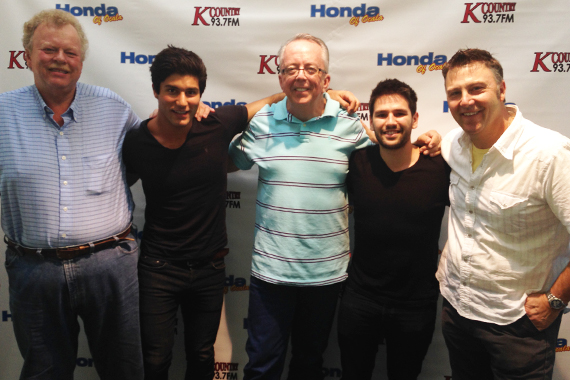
(391,144)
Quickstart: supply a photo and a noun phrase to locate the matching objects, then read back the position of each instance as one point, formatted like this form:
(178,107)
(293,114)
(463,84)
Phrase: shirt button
(472,187)
(61,133)
(471,211)
(65,209)
(63,158)
(469,235)
(63,235)
(65,183)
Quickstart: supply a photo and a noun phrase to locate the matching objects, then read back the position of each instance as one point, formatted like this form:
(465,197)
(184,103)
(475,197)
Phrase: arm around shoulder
(255,107)
(240,152)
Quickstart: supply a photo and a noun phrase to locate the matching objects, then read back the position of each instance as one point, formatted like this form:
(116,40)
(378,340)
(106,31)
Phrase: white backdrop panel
(240,57)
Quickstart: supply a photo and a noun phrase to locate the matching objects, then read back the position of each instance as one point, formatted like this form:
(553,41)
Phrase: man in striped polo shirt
(66,211)
(301,146)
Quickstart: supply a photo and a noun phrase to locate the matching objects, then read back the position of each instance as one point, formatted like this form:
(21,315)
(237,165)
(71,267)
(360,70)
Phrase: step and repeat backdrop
(238,41)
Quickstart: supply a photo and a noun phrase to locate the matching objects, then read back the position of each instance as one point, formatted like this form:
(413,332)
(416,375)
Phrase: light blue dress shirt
(62,186)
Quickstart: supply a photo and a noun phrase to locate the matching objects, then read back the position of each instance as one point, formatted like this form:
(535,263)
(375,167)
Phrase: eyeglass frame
(283,72)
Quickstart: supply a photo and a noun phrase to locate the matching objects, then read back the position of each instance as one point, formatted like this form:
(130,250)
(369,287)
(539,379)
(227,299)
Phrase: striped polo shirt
(301,227)
(63,186)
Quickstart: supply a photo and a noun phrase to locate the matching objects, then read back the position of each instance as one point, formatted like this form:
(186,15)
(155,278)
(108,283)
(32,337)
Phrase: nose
(301,71)
(466,99)
(59,56)
(391,120)
(182,100)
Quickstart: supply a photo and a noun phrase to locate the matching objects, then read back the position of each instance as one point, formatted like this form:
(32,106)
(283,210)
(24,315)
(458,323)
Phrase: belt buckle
(67,253)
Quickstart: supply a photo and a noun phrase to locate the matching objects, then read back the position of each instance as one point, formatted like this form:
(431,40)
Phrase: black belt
(197,263)
(70,252)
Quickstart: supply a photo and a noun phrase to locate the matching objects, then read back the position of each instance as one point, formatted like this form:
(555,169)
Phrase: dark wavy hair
(393,87)
(173,60)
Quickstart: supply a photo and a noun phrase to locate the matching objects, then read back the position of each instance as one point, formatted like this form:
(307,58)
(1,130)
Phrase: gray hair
(311,38)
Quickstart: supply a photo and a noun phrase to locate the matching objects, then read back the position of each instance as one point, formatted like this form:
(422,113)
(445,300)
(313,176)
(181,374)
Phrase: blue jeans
(486,351)
(364,323)
(199,291)
(277,311)
(47,296)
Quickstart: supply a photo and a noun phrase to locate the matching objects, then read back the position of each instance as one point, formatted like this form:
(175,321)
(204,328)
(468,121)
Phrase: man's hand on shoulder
(539,311)
(346,99)
(429,143)
(203,111)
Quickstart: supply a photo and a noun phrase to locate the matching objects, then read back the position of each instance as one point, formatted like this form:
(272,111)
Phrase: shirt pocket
(98,173)
(507,201)
(511,212)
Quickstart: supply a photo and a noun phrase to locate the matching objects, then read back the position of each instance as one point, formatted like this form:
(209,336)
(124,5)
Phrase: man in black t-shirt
(399,198)
(182,162)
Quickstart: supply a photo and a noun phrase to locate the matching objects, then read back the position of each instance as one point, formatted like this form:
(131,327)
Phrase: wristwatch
(555,302)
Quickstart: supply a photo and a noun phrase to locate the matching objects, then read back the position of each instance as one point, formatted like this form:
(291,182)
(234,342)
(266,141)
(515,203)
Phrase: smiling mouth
(58,70)
(470,113)
(180,112)
(391,132)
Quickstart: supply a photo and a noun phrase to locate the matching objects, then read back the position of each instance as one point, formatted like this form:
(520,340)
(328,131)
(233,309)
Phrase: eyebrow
(393,110)
(169,86)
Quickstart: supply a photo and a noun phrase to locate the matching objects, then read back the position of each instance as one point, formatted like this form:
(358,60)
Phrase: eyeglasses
(293,71)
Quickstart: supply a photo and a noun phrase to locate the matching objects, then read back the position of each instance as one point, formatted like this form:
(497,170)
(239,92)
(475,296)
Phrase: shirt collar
(281,113)
(72,111)
(506,143)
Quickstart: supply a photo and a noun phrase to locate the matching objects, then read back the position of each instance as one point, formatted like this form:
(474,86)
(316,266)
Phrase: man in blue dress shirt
(66,211)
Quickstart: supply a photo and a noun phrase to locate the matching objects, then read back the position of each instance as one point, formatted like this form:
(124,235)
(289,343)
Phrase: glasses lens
(309,71)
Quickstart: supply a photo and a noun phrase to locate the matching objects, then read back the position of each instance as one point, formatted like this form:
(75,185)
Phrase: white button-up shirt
(509,221)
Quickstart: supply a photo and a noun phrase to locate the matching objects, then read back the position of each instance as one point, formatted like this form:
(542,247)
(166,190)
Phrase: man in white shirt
(504,272)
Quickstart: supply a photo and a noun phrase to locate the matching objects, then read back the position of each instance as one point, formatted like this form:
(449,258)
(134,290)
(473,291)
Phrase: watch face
(556,304)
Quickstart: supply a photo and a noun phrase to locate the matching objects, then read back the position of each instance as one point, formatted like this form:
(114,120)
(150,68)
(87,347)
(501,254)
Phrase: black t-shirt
(397,223)
(185,188)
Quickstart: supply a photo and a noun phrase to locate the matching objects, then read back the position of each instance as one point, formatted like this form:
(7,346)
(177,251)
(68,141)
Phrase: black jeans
(364,323)
(486,351)
(199,291)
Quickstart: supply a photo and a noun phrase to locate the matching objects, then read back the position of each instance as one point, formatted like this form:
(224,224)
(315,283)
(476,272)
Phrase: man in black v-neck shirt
(399,198)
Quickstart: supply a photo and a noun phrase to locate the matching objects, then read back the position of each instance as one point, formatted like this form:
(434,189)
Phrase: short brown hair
(465,57)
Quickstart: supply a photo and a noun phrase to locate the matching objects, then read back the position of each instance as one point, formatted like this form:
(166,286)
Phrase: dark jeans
(364,323)
(199,291)
(485,351)
(277,311)
(48,295)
